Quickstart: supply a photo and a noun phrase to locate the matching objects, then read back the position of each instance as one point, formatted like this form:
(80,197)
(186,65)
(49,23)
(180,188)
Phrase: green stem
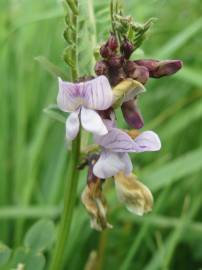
(69,202)
(73,174)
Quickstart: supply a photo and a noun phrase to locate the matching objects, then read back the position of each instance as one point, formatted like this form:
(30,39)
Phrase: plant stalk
(69,202)
(73,174)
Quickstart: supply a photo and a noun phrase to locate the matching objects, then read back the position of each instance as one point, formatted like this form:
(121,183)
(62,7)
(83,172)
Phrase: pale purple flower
(116,145)
(82,100)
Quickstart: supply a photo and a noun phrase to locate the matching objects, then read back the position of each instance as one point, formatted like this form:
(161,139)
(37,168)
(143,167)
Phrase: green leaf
(190,75)
(53,112)
(5,253)
(173,171)
(50,67)
(28,259)
(179,40)
(41,235)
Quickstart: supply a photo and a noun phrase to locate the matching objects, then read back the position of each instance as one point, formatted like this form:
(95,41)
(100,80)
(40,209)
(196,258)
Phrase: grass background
(33,154)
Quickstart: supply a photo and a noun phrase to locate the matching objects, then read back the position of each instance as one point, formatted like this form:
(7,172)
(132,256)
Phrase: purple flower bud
(132,114)
(159,69)
(105,51)
(101,68)
(115,61)
(136,72)
(112,42)
(127,48)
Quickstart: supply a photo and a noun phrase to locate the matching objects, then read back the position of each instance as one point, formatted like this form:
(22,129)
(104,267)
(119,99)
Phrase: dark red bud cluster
(109,48)
(101,68)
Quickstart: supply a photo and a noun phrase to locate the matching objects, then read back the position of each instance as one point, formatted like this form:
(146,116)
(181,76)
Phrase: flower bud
(159,69)
(135,195)
(141,74)
(112,42)
(136,72)
(132,114)
(105,51)
(101,68)
(127,48)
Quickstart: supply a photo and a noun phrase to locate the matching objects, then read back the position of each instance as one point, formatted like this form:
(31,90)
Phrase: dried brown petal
(95,204)
(134,194)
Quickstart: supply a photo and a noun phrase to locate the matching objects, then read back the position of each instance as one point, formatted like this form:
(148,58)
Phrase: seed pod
(127,48)
(101,68)
(132,115)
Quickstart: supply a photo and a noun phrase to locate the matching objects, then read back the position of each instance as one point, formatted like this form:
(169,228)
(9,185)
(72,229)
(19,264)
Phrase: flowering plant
(92,105)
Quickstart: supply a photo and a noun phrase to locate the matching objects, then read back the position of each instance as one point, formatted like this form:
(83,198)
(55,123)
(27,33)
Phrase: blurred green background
(33,152)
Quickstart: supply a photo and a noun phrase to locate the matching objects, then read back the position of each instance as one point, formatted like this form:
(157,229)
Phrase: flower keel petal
(108,165)
(92,122)
(72,125)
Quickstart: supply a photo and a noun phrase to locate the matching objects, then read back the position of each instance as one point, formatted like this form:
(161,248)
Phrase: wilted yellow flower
(135,195)
(126,90)
(95,204)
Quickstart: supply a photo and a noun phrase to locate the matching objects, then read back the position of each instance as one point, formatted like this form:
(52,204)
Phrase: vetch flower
(82,100)
(116,145)
(134,194)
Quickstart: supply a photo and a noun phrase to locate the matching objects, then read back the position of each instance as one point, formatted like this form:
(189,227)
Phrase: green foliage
(27,259)
(5,253)
(40,236)
(33,155)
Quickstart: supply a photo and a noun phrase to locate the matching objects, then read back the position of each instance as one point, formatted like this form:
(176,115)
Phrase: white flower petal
(69,96)
(116,140)
(72,125)
(148,141)
(92,122)
(98,93)
(127,162)
(108,165)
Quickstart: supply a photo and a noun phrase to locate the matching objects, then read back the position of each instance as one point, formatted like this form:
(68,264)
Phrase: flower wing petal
(98,93)
(72,125)
(92,122)
(68,98)
(147,141)
(108,165)
(116,140)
